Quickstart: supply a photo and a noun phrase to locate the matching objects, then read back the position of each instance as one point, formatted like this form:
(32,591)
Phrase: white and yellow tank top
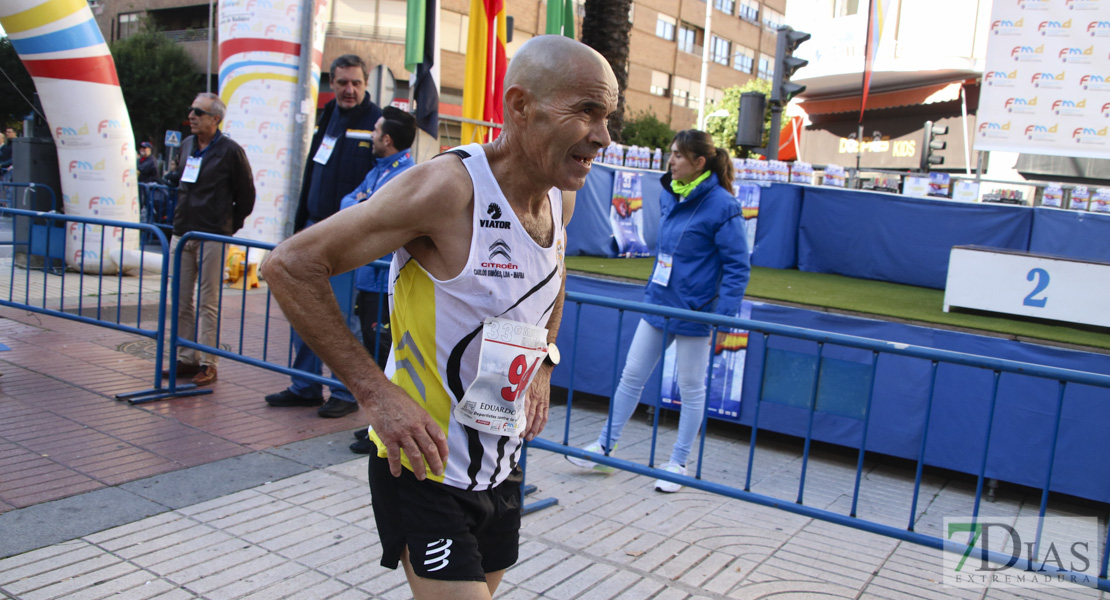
(437,325)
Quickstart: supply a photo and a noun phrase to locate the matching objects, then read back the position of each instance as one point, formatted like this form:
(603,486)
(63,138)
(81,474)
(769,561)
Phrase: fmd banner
(260,51)
(64,51)
(1046,85)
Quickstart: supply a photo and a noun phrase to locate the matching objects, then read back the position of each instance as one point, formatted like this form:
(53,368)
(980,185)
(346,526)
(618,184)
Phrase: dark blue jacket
(704,233)
(351,159)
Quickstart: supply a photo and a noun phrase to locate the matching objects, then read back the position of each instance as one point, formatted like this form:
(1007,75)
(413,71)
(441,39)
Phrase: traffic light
(786,63)
(929,156)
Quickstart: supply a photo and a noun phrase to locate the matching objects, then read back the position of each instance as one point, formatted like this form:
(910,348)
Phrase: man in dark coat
(340,156)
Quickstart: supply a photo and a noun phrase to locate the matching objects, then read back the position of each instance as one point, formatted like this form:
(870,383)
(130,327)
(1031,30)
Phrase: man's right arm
(423,207)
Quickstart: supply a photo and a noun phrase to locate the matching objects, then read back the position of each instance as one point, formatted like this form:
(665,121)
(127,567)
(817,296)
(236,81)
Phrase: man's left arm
(538,401)
(242,189)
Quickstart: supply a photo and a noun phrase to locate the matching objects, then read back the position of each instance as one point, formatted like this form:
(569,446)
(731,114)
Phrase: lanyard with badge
(192,163)
(323,153)
(510,357)
(664,262)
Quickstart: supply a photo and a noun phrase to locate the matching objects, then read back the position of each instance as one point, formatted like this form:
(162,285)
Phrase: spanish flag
(485,68)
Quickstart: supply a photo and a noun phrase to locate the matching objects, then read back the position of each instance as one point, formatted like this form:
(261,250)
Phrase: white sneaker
(667,486)
(589,464)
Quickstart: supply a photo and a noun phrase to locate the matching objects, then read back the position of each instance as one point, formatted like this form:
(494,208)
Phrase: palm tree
(605,28)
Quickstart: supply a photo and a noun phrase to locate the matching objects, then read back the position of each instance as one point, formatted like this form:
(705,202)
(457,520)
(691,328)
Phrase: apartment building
(666,45)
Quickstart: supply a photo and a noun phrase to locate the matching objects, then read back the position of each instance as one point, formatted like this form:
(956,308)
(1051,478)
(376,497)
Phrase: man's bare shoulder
(434,187)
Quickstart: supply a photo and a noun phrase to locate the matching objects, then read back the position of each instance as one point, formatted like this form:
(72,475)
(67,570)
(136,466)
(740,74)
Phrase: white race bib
(192,169)
(509,358)
(662,273)
(323,153)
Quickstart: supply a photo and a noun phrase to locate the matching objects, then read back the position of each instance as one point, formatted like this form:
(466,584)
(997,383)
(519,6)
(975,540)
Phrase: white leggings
(692,361)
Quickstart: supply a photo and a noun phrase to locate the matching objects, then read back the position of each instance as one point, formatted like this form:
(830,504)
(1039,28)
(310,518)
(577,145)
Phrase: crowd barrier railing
(796,504)
(158,203)
(31,287)
(254,336)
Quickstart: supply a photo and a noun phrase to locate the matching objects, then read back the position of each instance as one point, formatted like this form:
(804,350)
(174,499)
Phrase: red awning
(926,94)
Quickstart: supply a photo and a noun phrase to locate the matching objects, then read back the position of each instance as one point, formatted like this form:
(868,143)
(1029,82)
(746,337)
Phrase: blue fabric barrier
(1070,233)
(903,240)
(1022,429)
(776,235)
(589,232)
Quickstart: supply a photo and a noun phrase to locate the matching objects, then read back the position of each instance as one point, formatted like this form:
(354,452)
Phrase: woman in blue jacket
(701,265)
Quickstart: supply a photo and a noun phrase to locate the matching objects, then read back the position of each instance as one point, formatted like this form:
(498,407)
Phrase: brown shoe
(206,376)
(183,370)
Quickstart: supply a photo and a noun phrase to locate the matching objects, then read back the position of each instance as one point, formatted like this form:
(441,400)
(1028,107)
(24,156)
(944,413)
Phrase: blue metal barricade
(254,339)
(28,288)
(796,504)
(157,204)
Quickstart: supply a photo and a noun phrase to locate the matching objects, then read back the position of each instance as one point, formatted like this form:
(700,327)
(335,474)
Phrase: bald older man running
(476,293)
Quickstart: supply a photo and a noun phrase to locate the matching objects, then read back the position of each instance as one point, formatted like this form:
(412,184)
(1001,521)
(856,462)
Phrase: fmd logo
(1075,55)
(1001,78)
(292,9)
(98,201)
(1055,28)
(1028,53)
(251,100)
(1098,28)
(1022,105)
(80,231)
(1007,27)
(72,137)
(86,170)
(275,30)
(1090,135)
(268,127)
(993,130)
(1082,4)
(260,222)
(1033,4)
(259,3)
(74,200)
(1069,108)
(1106,110)
(109,128)
(1095,83)
(1049,80)
(1042,133)
(80,256)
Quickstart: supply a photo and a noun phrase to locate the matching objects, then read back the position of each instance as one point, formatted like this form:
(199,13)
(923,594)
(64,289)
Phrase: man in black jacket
(214,195)
(340,156)
(148,166)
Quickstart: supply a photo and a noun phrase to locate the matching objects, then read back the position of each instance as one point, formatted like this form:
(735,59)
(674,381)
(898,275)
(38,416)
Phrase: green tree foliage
(13,106)
(159,82)
(645,129)
(723,129)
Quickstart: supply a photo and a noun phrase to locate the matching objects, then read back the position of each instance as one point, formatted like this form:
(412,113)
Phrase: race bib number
(509,358)
(662,273)
(192,169)
(323,153)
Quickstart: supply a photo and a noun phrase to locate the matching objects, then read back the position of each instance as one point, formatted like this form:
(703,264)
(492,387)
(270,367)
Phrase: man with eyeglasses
(215,194)
(341,154)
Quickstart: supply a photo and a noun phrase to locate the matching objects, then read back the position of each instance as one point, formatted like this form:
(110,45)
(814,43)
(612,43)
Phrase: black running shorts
(451,534)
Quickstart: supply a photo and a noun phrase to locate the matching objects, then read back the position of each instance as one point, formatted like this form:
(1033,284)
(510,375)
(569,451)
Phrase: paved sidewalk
(311,536)
(222,497)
